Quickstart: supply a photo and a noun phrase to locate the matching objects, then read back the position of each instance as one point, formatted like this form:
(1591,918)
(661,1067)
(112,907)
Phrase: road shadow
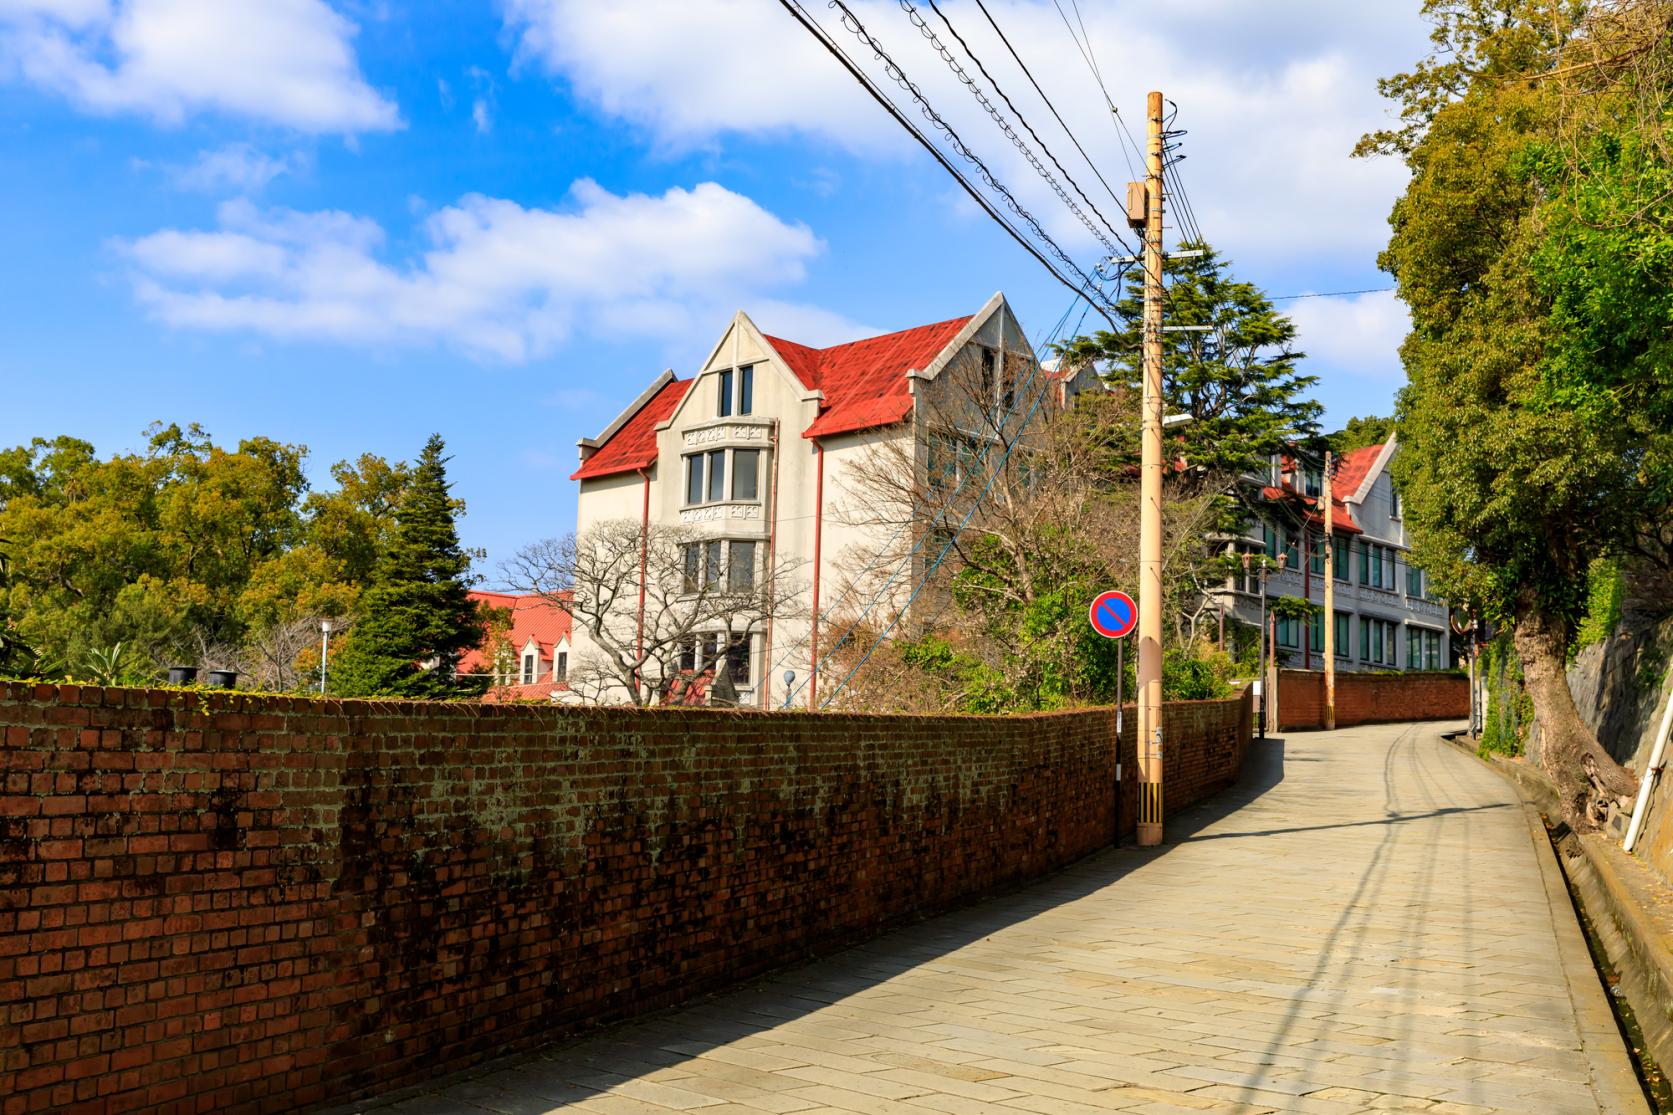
(576,1068)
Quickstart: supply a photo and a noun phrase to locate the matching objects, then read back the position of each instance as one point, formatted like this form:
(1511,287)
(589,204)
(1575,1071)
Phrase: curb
(1614,1079)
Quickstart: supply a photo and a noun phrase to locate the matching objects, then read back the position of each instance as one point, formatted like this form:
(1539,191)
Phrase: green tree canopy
(417,618)
(1239,380)
(1533,248)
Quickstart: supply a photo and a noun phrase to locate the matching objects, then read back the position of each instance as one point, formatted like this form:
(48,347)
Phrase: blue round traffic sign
(1113,614)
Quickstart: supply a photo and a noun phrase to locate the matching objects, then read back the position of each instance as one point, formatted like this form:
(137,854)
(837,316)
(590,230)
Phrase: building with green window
(1386,616)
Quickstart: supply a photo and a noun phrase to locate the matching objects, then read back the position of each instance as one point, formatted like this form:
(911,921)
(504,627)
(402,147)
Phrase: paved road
(1363,926)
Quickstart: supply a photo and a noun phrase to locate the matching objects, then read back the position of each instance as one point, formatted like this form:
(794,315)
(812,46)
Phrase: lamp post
(324,651)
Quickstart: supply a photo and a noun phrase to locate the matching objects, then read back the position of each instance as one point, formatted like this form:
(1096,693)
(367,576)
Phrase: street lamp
(789,680)
(324,651)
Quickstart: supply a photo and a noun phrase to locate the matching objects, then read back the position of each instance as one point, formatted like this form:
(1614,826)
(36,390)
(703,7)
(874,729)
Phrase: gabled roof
(533,616)
(864,382)
(1355,465)
(631,442)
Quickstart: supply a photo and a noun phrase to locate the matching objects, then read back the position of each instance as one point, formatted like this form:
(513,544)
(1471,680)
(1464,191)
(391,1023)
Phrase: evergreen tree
(416,618)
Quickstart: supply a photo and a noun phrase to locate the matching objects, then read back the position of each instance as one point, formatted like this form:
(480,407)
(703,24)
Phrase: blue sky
(351,224)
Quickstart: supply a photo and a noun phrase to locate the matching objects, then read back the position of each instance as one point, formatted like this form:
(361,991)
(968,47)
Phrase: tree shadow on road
(574,1069)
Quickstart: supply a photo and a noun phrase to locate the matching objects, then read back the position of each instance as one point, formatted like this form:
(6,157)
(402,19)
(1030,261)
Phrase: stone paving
(1365,925)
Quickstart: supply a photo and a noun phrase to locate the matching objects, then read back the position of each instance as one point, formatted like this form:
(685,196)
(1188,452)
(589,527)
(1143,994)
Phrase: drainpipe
(644,554)
(1649,778)
(766,683)
(1307,595)
(818,532)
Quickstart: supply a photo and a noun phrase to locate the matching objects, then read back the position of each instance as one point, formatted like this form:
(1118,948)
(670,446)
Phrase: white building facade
(763,452)
(1386,616)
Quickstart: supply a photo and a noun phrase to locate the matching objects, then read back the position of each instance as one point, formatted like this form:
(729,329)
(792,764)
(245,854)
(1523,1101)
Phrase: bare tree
(656,601)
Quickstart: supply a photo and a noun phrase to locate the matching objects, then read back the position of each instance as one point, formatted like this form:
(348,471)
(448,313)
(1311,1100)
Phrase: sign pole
(1115,615)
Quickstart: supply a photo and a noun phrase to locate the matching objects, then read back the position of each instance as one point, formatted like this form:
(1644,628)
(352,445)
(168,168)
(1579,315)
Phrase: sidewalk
(1364,925)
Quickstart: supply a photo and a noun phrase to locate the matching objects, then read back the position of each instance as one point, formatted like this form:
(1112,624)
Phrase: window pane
(1388,644)
(1364,639)
(1341,558)
(1414,648)
(1365,563)
(746,389)
(1269,535)
(737,657)
(693,562)
(688,655)
(725,379)
(711,565)
(1414,581)
(694,479)
(1344,629)
(711,650)
(740,573)
(746,467)
(987,378)
(1315,557)
(560,670)
(717,474)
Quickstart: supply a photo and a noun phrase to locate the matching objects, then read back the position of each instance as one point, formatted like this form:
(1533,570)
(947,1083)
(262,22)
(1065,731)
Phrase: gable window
(528,668)
(1393,502)
(989,376)
(560,666)
(735,391)
(1312,482)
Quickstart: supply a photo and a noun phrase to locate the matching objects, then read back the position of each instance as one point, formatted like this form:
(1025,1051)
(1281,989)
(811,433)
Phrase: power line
(1055,114)
(1005,127)
(1329,293)
(899,76)
(794,7)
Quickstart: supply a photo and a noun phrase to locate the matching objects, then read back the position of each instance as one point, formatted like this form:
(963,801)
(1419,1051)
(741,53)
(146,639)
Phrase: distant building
(1386,616)
(762,451)
(531,659)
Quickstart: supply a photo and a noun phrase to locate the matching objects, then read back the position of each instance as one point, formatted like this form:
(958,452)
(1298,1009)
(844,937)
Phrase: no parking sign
(1113,614)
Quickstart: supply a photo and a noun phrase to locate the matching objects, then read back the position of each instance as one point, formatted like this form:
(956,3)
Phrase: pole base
(1149,834)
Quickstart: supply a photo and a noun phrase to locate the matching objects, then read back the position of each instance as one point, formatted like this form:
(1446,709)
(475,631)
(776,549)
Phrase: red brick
(270,901)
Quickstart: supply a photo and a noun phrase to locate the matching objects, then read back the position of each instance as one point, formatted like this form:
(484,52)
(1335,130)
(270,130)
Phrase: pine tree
(416,618)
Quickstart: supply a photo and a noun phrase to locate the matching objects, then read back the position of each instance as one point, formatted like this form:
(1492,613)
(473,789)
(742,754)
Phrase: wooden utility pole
(1329,598)
(1150,500)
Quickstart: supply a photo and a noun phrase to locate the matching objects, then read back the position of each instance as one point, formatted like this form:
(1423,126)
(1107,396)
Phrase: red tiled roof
(634,445)
(532,616)
(1353,467)
(865,381)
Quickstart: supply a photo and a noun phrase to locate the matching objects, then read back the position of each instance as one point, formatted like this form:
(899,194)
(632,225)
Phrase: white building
(762,450)
(1386,618)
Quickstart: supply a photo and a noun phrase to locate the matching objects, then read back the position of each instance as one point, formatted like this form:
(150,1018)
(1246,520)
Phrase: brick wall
(221,902)
(1363,698)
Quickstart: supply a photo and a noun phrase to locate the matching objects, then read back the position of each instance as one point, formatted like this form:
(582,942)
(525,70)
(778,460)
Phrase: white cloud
(1358,335)
(498,280)
(692,70)
(482,116)
(1274,96)
(286,62)
(235,168)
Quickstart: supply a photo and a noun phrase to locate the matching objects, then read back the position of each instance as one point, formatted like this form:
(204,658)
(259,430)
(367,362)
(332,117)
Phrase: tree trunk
(1587,777)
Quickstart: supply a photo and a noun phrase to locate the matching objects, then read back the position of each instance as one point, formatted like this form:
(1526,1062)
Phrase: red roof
(532,616)
(633,446)
(1351,470)
(1353,466)
(865,381)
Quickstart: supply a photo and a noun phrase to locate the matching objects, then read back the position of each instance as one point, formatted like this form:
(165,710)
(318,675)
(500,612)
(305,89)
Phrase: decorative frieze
(714,435)
(716,512)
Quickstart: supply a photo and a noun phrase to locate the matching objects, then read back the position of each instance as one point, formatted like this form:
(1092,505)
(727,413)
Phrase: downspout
(1649,778)
(766,684)
(818,532)
(644,555)
(1306,594)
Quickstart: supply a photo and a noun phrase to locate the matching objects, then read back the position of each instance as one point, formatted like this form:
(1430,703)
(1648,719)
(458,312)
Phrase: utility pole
(1329,598)
(1150,500)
